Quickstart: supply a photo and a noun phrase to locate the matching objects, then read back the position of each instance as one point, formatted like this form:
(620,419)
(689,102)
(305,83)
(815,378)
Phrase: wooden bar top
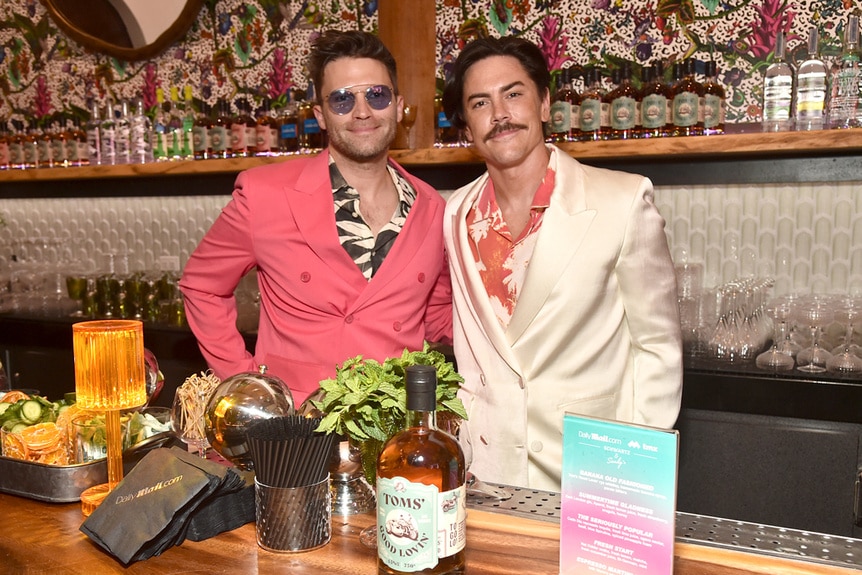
(40,537)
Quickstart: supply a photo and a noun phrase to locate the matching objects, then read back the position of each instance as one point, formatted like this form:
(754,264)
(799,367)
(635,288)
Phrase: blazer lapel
(312,206)
(563,229)
(471,282)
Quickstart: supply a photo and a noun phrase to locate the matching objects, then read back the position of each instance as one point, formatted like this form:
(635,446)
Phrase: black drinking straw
(287,452)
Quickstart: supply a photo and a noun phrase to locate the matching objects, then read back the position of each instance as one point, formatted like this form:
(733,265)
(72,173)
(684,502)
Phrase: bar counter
(43,537)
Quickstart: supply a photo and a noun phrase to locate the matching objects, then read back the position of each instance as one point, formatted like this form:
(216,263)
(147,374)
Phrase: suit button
(536,446)
(305,277)
(482,378)
(521,382)
(483,440)
(348,319)
(421,277)
(396,326)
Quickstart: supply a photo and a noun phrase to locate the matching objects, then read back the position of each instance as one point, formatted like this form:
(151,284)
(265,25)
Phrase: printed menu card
(618,498)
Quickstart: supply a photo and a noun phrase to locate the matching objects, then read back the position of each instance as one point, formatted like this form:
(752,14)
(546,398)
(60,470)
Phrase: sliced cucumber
(18,427)
(4,405)
(31,411)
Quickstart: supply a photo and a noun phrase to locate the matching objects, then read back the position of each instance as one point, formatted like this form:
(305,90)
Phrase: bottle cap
(421,383)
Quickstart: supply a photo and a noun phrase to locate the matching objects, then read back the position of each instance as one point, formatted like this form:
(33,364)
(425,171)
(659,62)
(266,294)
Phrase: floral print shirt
(501,259)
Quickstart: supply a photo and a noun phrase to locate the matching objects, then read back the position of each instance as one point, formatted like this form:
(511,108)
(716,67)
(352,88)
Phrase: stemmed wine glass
(774,358)
(844,360)
(816,315)
(408,119)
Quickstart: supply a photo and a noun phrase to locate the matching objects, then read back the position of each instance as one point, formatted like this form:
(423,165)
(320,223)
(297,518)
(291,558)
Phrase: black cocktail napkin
(151,509)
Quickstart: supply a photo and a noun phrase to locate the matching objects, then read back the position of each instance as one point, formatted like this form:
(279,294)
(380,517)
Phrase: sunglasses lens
(378,97)
(341,101)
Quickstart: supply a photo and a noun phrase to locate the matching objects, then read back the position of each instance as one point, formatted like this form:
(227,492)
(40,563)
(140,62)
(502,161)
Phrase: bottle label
(777,97)
(561,118)
(713,111)
(811,95)
(94,146)
(58,151)
(575,116)
(685,112)
(623,113)
(4,154)
(310,126)
(590,118)
(288,132)
(30,153)
(443,121)
(200,138)
(417,525)
(219,138)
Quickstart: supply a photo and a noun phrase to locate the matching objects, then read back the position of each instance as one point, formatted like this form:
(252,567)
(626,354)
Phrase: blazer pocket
(604,406)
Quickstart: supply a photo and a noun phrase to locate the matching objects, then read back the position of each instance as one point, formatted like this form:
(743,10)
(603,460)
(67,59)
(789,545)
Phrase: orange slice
(14,446)
(14,396)
(41,436)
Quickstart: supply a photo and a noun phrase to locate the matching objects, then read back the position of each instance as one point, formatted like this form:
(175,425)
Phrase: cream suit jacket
(595,330)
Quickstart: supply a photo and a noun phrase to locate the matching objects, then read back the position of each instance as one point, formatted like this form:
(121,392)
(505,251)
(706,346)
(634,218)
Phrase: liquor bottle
(778,90)
(654,104)
(4,146)
(42,132)
(140,128)
(187,113)
(159,139)
(201,133)
(288,128)
(714,102)
(174,126)
(16,145)
(623,106)
(123,134)
(844,101)
(590,112)
(59,137)
(94,136)
(220,132)
(311,138)
(445,134)
(687,93)
(108,133)
(239,131)
(77,146)
(266,130)
(811,88)
(565,101)
(421,484)
(28,146)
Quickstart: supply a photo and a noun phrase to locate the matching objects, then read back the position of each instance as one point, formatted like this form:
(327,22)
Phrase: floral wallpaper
(257,48)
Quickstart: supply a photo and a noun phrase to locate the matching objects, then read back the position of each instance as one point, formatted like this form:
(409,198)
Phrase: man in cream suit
(563,287)
(348,246)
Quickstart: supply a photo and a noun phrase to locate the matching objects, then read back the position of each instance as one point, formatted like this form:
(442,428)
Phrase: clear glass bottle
(778,90)
(687,93)
(421,483)
(623,106)
(140,128)
(590,112)
(94,136)
(811,87)
(564,110)
(714,101)
(108,132)
(844,101)
(123,134)
(159,139)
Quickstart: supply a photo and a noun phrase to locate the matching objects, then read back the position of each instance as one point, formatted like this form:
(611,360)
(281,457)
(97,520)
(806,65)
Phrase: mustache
(500,128)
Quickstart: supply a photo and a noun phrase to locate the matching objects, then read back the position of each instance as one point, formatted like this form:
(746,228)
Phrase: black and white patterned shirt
(354,234)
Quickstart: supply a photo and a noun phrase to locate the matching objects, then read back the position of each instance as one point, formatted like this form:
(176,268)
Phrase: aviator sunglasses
(342,101)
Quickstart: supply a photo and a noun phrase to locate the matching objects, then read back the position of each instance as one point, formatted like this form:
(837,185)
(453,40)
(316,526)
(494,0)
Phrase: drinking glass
(408,119)
(844,360)
(774,359)
(815,315)
(187,419)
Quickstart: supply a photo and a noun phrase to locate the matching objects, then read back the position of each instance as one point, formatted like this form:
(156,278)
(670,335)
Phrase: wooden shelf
(729,146)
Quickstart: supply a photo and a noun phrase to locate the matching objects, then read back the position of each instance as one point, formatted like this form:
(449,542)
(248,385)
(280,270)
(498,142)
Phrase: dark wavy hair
(524,51)
(333,45)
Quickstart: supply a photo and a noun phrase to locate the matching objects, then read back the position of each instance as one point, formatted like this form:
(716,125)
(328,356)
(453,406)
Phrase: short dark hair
(333,45)
(524,51)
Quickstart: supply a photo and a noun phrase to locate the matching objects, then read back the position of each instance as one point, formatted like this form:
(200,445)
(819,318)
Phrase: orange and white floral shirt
(501,259)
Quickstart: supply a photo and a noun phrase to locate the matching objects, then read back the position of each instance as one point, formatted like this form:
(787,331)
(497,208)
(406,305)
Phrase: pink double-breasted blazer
(316,308)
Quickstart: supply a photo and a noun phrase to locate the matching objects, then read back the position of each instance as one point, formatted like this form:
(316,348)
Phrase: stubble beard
(363,149)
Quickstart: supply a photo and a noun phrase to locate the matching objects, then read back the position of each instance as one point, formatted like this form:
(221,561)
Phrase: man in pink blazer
(564,290)
(348,247)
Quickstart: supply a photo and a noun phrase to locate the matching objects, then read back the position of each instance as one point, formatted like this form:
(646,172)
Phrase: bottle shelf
(720,147)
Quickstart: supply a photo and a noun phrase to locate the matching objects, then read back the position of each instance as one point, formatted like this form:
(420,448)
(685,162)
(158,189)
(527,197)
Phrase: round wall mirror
(125,29)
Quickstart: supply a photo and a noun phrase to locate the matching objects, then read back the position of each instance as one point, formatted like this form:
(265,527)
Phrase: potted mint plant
(367,400)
